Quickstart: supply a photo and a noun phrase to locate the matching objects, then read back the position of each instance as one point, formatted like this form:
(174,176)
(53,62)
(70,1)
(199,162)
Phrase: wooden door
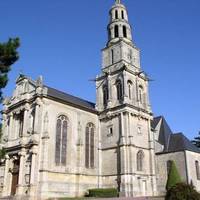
(15,177)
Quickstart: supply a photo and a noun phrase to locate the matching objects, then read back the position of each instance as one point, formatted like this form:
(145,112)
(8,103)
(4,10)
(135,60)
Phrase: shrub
(182,191)
(2,153)
(107,192)
(173,176)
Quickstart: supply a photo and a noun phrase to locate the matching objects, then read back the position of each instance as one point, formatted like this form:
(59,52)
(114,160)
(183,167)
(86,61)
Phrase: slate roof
(178,142)
(72,100)
(164,131)
(172,142)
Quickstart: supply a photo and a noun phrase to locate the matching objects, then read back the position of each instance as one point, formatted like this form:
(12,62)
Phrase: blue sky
(62,40)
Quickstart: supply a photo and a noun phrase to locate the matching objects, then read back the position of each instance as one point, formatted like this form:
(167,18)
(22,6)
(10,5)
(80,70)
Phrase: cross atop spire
(117,1)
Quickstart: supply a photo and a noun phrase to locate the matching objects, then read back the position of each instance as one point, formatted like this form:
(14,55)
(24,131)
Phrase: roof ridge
(65,93)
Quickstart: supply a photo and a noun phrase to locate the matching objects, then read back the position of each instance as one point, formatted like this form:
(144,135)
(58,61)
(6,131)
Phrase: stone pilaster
(26,119)
(38,119)
(123,161)
(125,87)
(109,91)
(152,161)
(6,182)
(33,171)
(20,187)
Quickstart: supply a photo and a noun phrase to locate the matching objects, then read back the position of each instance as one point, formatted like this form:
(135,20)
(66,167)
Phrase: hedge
(107,192)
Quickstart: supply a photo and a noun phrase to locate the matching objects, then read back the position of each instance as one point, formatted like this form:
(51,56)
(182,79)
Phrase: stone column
(21,172)
(152,160)
(33,173)
(122,139)
(6,182)
(109,91)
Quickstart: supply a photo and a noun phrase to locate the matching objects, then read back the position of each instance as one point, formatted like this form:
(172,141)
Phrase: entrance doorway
(15,177)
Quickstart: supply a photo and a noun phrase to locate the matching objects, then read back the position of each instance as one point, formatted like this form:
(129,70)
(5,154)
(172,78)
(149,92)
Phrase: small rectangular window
(110,131)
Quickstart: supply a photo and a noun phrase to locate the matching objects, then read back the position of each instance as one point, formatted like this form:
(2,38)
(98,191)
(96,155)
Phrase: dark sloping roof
(76,101)
(155,122)
(172,142)
(178,142)
(164,131)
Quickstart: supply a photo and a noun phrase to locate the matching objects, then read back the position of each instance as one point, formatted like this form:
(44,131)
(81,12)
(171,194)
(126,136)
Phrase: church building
(59,145)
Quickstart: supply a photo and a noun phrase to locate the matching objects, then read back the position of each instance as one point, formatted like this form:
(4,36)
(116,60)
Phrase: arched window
(141,95)
(89,146)
(140,160)
(32,119)
(169,164)
(122,13)
(130,87)
(119,90)
(116,31)
(61,140)
(124,32)
(112,56)
(105,95)
(197,169)
(116,14)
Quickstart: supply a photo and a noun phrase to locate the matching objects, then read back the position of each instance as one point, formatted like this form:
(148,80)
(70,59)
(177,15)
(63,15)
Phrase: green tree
(8,56)
(196,140)
(173,176)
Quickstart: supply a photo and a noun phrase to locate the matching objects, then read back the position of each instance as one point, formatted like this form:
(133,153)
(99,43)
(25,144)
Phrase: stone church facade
(58,145)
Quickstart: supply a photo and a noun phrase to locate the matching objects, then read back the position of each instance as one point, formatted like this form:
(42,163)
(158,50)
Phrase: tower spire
(117,1)
(119,27)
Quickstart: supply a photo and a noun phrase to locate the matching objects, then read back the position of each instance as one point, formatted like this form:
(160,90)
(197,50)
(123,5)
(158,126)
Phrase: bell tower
(127,142)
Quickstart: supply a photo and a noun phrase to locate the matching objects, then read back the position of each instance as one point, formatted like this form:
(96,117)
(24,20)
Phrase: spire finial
(117,1)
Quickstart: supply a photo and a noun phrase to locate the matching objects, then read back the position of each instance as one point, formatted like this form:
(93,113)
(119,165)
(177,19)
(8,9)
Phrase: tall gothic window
(124,32)
(141,95)
(116,14)
(61,140)
(105,95)
(19,123)
(116,31)
(140,160)
(122,13)
(89,146)
(32,120)
(130,87)
(197,169)
(119,90)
